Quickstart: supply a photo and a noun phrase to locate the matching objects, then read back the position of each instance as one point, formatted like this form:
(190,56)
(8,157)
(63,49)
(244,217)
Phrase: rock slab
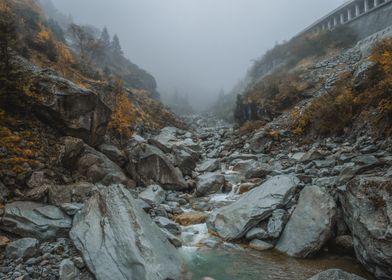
(119,241)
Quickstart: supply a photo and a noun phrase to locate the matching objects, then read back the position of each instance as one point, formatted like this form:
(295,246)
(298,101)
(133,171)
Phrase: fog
(197,46)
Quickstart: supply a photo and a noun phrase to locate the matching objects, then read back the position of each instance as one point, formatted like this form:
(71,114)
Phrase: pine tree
(105,38)
(116,47)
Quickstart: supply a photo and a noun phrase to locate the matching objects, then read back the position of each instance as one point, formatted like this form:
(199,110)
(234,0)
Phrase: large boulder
(209,183)
(30,219)
(367,208)
(100,169)
(73,110)
(209,165)
(311,224)
(185,159)
(235,220)
(153,195)
(119,241)
(335,274)
(252,169)
(149,165)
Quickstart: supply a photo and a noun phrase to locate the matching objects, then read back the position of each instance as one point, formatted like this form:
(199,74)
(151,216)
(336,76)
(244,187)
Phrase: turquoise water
(244,264)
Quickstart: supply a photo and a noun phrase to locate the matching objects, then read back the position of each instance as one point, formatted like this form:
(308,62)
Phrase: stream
(208,257)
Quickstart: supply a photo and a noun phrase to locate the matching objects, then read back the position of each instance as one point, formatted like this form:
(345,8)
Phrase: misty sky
(197,46)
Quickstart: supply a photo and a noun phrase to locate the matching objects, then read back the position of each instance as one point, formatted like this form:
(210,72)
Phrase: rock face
(367,211)
(68,270)
(148,165)
(22,248)
(100,169)
(335,274)
(71,109)
(114,154)
(233,221)
(119,241)
(311,224)
(30,219)
(209,183)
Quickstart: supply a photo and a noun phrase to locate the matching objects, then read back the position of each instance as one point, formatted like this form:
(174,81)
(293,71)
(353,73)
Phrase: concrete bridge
(364,16)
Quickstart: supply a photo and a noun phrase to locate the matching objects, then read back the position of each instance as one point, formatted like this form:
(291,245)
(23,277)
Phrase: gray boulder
(149,165)
(153,195)
(209,183)
(114,154)
(209,165)
(30,219)
(68,270)
(252,169)
(22,248)
(366,205)
(119,241)
(257,233)
(235,220)
(260,245)
(71,109)
(169,225)
(311,224)
(336,274)
(100,169)
(73,193)
(185,159)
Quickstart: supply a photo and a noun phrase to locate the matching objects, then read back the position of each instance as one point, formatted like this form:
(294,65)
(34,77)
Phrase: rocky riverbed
(208,202)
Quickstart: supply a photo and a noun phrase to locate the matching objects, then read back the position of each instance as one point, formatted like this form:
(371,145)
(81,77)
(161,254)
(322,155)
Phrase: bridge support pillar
(341,18)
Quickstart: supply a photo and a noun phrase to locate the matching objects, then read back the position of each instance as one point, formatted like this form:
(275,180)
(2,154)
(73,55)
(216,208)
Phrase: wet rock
(100,169)
(257,233)
(149,165)
(311,224)
(209,183)
(30,219)
(168,224)
(114,154)
(153,195)
(174,240)
(335,274)
(68,270)
(260,143)
(209,165)
(277,222)
(235,220)
(119,241)
(260,245)
(185,159)
(22,248)
(245,187)
(366,205)
(191,218)
(69,108)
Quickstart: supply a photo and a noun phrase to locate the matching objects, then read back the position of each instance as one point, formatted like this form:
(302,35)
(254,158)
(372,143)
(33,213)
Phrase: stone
(312,154)
(366,206)
(114,154)
(245,187)
(168,224)
(252,169)
(311,224)
(209,165)
(165,139)
(344,242)
(185,159)
(191,218)
(100,169)
(176,241)
(260,245)
(72,149)
(118,240)
(71,208)
(38,178)
(336,274)
(233,221)
(30,219)
(68,270)
(257,233)
(4,193)
(153,195)
(22,248)
(260,143)
(149,165)
(73,193)
(209,183)
(4,241)
(73,110)
(277,223)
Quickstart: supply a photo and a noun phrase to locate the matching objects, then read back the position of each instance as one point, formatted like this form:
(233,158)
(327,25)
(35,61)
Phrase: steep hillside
(50,89)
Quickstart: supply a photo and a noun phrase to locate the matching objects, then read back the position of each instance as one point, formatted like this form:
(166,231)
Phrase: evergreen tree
(116,47)
(105,39)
